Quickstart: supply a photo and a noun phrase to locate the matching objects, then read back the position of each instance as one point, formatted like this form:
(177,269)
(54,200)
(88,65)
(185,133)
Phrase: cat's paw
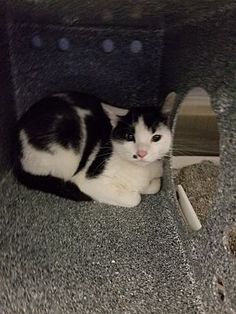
(154,187)
(128,199)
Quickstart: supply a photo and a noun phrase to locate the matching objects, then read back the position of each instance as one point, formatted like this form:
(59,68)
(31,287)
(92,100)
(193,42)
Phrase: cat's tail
(50,184)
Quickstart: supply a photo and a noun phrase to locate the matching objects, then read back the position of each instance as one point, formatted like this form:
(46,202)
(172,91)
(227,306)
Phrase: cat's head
(141,135)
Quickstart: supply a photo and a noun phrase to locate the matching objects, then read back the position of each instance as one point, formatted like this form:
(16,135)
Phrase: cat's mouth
(140,161)
(138,158)
(143,161)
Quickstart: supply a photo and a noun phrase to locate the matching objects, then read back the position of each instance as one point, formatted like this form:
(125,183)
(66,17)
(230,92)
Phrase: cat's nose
(141,153)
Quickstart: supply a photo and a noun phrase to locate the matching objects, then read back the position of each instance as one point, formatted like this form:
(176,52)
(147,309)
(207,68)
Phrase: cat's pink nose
(141,153)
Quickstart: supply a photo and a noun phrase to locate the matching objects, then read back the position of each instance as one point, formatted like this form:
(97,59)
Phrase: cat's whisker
(183,152)
(104,155)
(179,152)
(105,147)
(51,148)
(179,146)
(100,165)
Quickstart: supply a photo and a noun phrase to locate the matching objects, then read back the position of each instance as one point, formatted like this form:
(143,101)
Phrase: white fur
(82,114)
(169,103)
(59,162)
(153,187)
(124,178)
(143,141)
(113,113)
(121,183)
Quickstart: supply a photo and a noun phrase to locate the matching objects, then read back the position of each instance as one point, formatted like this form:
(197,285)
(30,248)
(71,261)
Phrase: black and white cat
(75,146)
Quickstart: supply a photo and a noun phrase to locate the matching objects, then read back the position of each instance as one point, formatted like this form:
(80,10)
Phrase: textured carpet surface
(200,183)
(59,256)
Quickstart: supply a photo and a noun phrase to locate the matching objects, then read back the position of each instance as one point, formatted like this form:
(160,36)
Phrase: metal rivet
(136,46)
(64,44)
(108,45)
(37,41)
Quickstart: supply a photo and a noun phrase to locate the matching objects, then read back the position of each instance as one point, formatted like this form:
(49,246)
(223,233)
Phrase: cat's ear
(169,103)
(114,113)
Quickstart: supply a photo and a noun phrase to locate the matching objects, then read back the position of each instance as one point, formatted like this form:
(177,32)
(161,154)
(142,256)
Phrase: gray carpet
(58,256)
(200,183)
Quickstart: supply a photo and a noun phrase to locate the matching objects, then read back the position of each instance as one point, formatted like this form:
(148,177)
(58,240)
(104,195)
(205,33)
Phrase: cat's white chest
(131,176)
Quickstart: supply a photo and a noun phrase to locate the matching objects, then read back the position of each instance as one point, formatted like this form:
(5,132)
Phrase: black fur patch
(152,118)
(52,120)
(49,184)
(55,120)
(100,160)
(120,131)
(98,129)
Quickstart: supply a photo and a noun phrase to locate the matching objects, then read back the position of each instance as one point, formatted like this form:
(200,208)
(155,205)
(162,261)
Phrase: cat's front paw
(154,187)
(129,199)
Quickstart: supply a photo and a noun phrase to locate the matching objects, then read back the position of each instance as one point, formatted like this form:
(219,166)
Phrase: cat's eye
(156,138)
(129,137)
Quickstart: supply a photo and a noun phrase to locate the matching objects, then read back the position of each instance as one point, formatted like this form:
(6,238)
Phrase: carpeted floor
(59,256)
(200,184)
